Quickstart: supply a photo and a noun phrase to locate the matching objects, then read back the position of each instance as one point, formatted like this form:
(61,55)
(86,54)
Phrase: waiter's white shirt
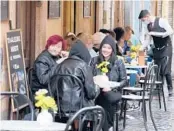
(163,23)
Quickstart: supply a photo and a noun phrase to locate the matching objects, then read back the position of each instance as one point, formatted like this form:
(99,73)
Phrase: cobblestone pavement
(163,120)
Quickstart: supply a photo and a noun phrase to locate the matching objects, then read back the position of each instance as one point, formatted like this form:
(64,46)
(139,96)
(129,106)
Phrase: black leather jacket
(43,69)
(75,66)
(117,72)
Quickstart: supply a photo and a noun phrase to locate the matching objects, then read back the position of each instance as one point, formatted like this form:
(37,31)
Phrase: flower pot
(44,117)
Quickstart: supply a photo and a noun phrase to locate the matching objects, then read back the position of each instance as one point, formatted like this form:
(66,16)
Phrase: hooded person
(109,97)
(76,64)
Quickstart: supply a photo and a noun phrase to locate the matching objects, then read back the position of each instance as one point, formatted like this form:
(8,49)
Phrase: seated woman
(45,64)
(108,96)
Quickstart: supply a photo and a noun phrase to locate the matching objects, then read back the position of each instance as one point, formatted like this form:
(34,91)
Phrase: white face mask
(146,22)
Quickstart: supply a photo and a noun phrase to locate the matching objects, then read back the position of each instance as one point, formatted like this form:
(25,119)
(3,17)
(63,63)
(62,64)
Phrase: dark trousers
(166,68)
(108,100)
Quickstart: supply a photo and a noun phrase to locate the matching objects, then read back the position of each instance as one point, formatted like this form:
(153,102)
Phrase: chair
(137,89)
(96,111)
(29,81)
(24,97)
(56,82)
(149,84)
(159,82)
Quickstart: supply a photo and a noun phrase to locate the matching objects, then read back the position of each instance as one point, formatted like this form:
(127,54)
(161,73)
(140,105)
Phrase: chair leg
(145,112)
(151,114)
(140,101)
(164,101)
(159,97)
(124,119)
(117,121)
(115,127)
(122,108)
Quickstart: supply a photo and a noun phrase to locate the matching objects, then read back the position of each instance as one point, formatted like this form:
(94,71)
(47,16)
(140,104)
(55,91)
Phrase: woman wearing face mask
(45,63)
(109,97)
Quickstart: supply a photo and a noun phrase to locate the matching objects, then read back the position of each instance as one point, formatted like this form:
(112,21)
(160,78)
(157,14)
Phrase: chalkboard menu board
(53,9)
(16,66)
(4,10)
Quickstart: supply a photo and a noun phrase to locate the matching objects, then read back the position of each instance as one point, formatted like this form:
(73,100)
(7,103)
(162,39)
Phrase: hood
(79,49)
(109,40)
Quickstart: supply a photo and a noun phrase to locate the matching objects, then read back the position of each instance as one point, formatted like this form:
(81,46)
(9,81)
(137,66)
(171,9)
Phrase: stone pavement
(163,120)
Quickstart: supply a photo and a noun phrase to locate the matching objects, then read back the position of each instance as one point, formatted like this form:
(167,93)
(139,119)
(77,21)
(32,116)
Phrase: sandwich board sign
(16,67)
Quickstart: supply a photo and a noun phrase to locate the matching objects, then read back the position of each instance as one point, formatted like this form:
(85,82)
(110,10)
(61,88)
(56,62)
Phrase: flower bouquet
(134,50)
(45,103)
(103,67)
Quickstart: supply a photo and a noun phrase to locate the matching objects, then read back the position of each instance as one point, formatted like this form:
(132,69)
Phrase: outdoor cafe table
(20,125)
(135,66)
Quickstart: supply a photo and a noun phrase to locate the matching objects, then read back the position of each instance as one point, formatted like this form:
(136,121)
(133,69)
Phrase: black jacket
(43,68)
(117,71)
(76,65)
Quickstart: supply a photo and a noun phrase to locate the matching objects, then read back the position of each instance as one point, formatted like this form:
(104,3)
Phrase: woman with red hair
(45,63)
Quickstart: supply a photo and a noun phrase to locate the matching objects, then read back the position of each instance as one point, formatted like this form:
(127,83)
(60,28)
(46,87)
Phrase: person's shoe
(170,92)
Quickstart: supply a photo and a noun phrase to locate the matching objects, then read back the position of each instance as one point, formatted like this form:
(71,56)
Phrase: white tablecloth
(135,66)
(19,125)
(131,71)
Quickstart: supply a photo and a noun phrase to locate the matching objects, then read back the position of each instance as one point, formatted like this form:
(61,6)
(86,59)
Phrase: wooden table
(20,125)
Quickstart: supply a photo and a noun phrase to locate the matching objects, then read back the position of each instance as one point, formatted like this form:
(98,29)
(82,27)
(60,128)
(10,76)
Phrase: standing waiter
(159,30)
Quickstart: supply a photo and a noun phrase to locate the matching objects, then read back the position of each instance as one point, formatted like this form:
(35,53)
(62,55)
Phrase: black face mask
(95,49)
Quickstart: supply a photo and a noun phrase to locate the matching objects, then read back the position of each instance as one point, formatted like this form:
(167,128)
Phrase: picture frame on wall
(54,9)
(86,9)
(4,10)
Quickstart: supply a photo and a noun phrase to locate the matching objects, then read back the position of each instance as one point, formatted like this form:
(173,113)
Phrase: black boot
(169,84)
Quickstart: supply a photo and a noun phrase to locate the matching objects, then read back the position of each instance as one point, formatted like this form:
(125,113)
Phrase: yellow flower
(103,66)
(39,97)
(104,70)
(133,54)
(45,102)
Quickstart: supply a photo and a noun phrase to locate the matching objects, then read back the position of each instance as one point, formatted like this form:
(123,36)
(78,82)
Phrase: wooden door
(25,20)
(85,16)
(68,17)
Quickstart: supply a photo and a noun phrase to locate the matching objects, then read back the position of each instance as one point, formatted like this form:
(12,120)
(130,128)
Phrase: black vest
(159,42)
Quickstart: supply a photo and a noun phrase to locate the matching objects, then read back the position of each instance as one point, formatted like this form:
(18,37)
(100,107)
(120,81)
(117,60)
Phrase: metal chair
(13,95)
(159,82)
(54,86)
(96,111)
(149,84)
